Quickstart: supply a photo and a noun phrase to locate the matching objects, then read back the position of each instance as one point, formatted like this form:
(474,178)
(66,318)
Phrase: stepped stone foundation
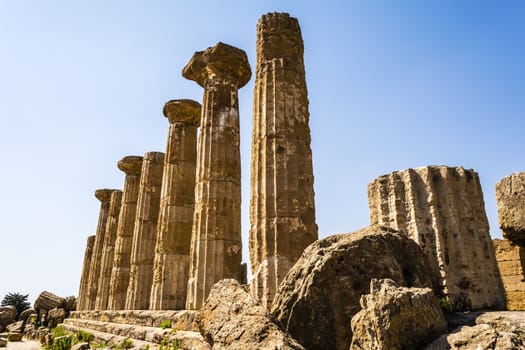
(108,250)
(177,202)
(511,263)
(145,232)
(131,166)
(442,209)
(282,210)
(104,196)
(81,304)
(216,239)
(510,194)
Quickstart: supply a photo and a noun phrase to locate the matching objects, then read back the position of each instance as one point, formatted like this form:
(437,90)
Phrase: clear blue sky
(392,85)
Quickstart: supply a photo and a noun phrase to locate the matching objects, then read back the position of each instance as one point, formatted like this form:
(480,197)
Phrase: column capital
(104,194)
(183,110)
(131,165)
(221,61)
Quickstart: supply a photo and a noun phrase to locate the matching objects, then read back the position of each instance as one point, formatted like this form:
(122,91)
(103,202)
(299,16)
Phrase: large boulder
(24,315)
(7,316)
(232,319)
(395,317)
(319,296)
(17,326)
(55,316)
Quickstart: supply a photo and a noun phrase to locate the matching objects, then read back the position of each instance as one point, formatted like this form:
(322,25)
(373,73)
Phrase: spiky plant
(18,300)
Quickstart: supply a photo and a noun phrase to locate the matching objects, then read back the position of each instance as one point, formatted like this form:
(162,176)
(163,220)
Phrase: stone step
(143,337)
(181,319)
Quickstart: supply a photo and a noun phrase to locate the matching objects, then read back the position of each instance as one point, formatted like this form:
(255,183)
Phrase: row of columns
(175,229)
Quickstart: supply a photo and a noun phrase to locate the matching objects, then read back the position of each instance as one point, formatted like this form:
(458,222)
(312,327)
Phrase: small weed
(125,344)
(165,324)
(57,332)
(101,345)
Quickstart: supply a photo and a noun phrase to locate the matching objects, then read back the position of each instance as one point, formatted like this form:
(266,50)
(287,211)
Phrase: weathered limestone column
(511,264)
(108,251)
(216,239)
(118,286)
(145,232)
(177,203)
(104,196)
(82,293)
(442,209)
(282,209)
(510,194)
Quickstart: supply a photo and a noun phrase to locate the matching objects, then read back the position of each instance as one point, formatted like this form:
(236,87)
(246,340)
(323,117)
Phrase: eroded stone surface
(82,297)
(177,202)
(104,196)
(108,250)
(510,194)
(395,317)
(282,210)
(511,264)
(318,298)
(442,209)
(483,330)
(145,232)
(216,238)
(232,319)
(132,167)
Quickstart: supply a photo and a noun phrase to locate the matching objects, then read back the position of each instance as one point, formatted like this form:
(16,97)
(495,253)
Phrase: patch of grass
(58,331)
(83,336)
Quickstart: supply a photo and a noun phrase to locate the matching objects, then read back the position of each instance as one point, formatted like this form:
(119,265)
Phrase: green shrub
(165,324)
(58,332)
(62,343)
(125,344)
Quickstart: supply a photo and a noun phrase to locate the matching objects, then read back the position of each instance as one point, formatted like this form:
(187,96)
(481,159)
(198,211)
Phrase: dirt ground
(24,345)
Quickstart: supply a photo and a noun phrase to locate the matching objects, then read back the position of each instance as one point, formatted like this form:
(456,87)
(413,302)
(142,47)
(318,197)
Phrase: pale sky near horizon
(392,85)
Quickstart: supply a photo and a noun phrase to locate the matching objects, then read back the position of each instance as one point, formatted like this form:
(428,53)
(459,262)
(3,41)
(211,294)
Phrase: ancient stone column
(177,202)
(282,209)
(511,263)
(118,286)
(510,194)
(81,303)
(145,232)
(104,196)
(442,209)
(216,239)
(108,251)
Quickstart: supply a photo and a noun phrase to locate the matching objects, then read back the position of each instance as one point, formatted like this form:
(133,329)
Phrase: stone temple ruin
(174,231)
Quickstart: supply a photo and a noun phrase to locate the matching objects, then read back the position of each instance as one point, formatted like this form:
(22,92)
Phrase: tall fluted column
(104,196)
(82,293)
(131,166)
(282,209)
(145,232)
(442,209)
(216,239)
(108,251)
(177,202)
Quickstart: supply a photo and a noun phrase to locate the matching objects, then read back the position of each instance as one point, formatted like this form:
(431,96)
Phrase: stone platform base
(145,329)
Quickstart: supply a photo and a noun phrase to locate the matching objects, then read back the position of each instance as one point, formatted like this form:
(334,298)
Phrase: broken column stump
(442,209)
(510,195)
